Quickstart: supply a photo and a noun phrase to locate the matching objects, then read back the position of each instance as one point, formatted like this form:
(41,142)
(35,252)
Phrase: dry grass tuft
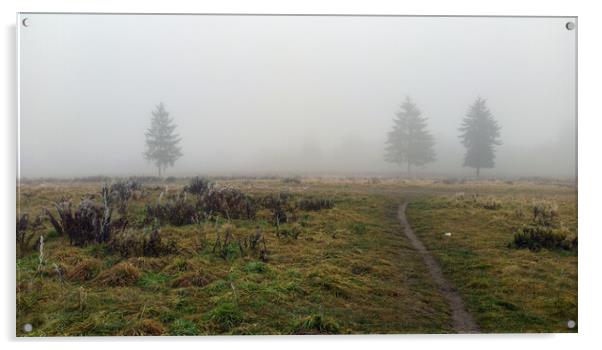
(146,327)
(84,270)
(120,275)
(192,279)
(149,263)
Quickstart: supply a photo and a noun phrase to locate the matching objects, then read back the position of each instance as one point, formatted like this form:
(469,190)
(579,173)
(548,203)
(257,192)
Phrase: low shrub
(491,204)
(122,191)
(281,206)
(229,202)
(177,212)
(254,244)
(546,214)
(535,237)
(295,180)
(88,223)
(225,244)
(23,232)
(199,186)
(315,204)
(135,243)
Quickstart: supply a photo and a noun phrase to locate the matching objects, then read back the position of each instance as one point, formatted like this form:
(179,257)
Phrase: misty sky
(257,94)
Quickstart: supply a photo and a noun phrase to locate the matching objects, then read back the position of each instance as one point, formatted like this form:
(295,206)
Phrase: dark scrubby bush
(24,234)
(198,186)
(491,204)
(122,191)
(98,178)
(229,202)
(295,180)
(281,206)
(87,224)
(315,204)
(148,242)
(225,244)
(546,214)
(177,212)
(545,231)
(228,246)
(535,237)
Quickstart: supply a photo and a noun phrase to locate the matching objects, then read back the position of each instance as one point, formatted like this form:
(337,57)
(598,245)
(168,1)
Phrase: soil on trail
(461,319)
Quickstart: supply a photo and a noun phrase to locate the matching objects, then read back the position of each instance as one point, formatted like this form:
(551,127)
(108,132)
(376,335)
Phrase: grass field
(342,269)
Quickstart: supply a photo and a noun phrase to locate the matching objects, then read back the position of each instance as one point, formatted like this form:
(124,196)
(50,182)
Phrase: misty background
(290,94)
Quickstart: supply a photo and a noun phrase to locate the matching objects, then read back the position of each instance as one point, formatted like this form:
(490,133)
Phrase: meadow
(291,256)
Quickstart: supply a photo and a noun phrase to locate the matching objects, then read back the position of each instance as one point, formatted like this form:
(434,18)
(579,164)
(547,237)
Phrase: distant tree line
(410,143)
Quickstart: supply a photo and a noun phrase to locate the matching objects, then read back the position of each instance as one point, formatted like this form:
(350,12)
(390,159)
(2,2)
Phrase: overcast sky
(282,94)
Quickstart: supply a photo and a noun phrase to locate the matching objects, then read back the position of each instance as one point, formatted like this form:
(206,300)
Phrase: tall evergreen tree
(409,141)
(479,134)
(161,141)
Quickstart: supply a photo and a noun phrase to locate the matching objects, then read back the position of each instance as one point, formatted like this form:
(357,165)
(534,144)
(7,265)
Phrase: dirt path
(461,320)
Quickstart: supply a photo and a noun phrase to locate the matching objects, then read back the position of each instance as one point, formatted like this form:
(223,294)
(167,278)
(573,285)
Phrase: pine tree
(409,141)
(479,134)
(161,141)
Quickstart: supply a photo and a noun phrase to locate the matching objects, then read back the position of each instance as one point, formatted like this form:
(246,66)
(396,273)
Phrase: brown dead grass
(84,270)
(146,327)
(120,275)
(192,279)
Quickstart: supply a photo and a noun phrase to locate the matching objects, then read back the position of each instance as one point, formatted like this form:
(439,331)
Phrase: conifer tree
(409,142)
(161,141)
(479,134)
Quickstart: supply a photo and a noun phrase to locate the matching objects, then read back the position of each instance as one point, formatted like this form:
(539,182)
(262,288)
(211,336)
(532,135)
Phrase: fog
(290,95)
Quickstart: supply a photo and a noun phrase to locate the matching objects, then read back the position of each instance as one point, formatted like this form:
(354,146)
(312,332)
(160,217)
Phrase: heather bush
(122,191)
(281,206)
(25,231)
(198,186)
(535,237)
(546,214)
(315,204)
(88,223)
(295,180)
(229,202)
(135,243)
(175,212)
